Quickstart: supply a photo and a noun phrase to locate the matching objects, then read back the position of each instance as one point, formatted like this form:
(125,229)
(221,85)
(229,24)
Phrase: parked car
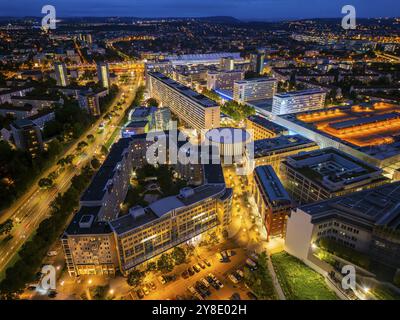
(146,290)
(201,264)
(162,280)
(152,286)
(254,256)
(140,293)
(230,253)
(205,282)
(196,268)
(52,253)
(52,294)
(219,283)
(185,274)
(208,263)
(233,278)
(190,271)
(240,273)
(251,263)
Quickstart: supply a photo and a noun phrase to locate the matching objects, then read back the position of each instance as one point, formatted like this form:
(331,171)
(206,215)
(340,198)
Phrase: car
(31,288)
(52,253)
(251,264)
(196,268)
(201,264)
(254,256)
(185,274)
(235,296)
(251,295)
(152,286)
(240,273)
(140,293)
(192,290)
(205,282)
(146,290)
(202,289)
(230,253)
(219,283)
(233,278)
(208,263)
(52,294)
(190,271)
(162,280)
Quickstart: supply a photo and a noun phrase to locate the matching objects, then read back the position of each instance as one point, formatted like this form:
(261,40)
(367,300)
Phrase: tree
(165,263)
(6,227)
(95,163)
(151,102)
(45,183)
(179,255)
(135,278)
(104,150)
(90,138)
(82,145)
(151,266)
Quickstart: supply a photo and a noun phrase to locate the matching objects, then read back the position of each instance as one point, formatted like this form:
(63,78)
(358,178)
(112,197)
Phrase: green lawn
(298,281)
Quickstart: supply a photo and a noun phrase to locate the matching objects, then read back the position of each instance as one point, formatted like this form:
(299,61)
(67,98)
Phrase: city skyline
(266,10)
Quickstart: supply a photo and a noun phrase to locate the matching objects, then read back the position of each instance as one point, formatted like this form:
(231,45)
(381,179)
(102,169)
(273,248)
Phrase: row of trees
(237,111)
(32,252)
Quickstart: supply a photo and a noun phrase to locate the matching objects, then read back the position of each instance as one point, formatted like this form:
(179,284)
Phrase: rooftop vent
(86,221)
(186,192)
(137,211)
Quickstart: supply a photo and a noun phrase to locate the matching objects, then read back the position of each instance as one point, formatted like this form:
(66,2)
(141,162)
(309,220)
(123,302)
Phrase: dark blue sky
(245,9)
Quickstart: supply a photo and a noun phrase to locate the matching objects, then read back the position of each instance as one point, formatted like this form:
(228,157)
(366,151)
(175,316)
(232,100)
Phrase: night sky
(242,9)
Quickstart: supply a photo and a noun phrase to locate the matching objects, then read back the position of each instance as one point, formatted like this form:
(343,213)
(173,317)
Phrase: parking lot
(179,288)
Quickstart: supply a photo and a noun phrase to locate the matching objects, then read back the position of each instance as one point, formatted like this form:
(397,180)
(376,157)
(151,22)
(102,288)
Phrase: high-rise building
(227,63)
(192,108)
(90,102)
(273,202)
(257,62)
(223,79)
(27,136)
(254,89)
(162,118)
(298,101)
(103,75)
(61,74)
(326,173)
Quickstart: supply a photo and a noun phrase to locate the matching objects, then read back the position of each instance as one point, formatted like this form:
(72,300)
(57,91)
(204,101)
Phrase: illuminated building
(368,132)
(298,101)
(365,221)
(103,75)
(192,108)
(61,74)
(273,151)
(257,62)
(27,136)
(227,63)
(327,173)
(90,101)
(273,202)
(99,241)
(263,128)
(254,89)
(223,79)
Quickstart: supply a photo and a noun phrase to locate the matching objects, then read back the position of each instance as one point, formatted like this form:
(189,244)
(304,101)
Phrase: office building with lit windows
(274,150)
(27,136)
(254,89)
(262,128)
(194,109)
(298,101)
(327,173)
(273,202)
(103,75)
(100,241)
(366,221)
(217,80)
(61,74)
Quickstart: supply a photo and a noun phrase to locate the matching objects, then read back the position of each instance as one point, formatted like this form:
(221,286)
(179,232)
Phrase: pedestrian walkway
(277,285)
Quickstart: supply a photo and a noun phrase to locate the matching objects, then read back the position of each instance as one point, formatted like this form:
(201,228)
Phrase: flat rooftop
(256,80)
(95,227)
(373,129)
(98,185)
(266,146)
(299,93)
(272,185)
(379,206)
(276,128)
(186,91)
(333,169)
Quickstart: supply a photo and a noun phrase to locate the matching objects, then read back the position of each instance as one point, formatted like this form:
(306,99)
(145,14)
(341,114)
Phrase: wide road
(33,208)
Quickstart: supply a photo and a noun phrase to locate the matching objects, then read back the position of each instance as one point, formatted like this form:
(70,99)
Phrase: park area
(298,281)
